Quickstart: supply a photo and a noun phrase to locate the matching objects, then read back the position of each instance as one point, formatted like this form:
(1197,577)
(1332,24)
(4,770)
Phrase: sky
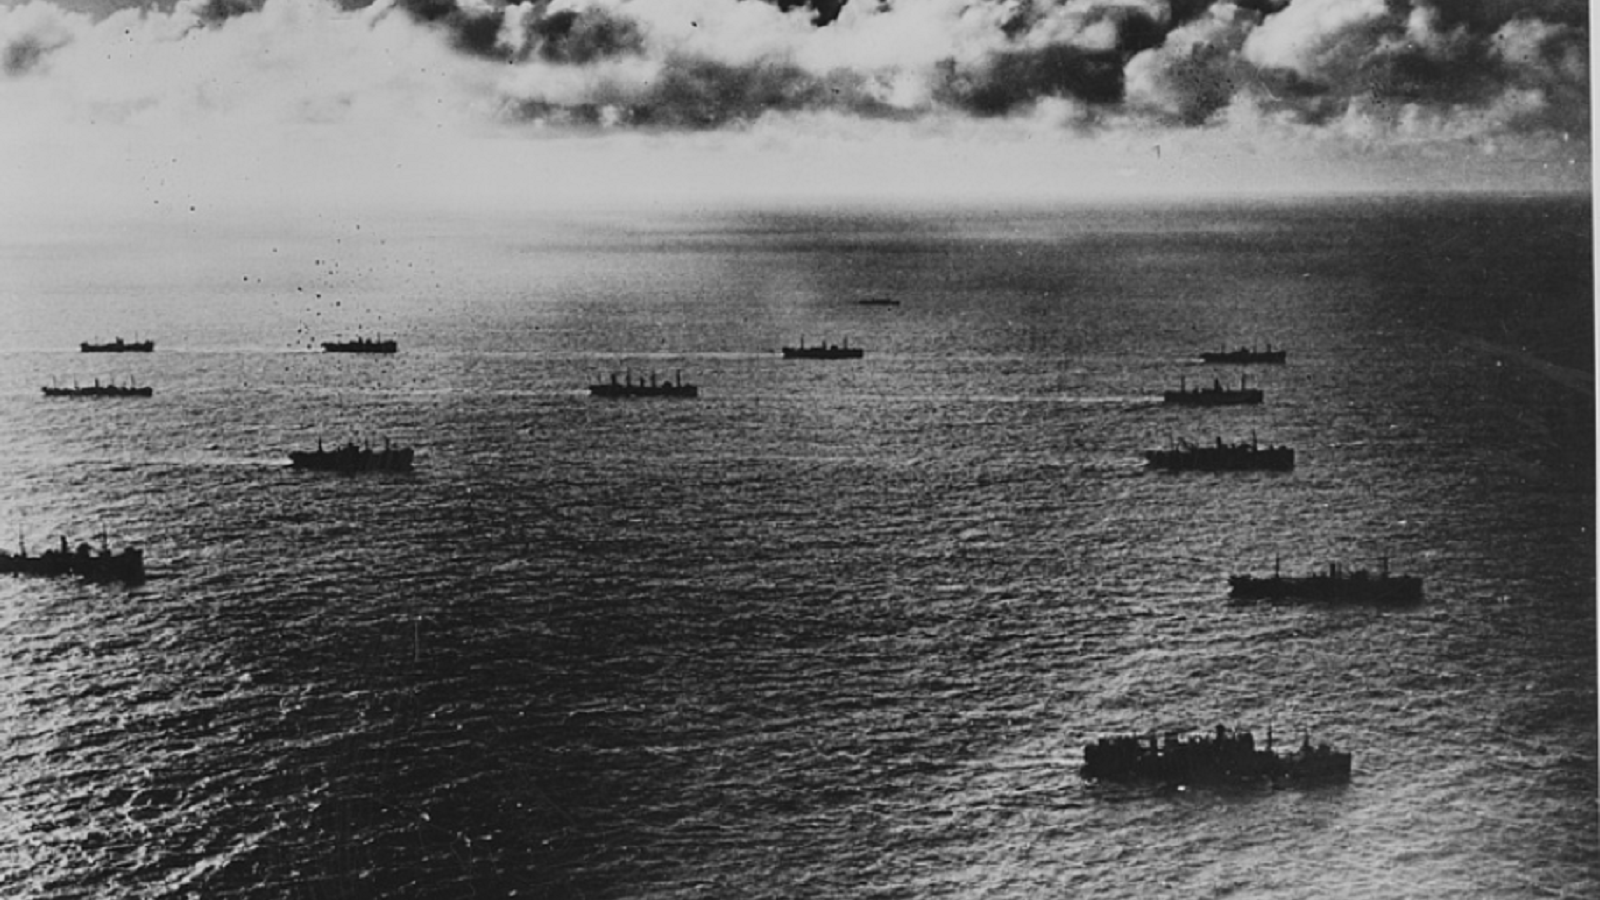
(114,109)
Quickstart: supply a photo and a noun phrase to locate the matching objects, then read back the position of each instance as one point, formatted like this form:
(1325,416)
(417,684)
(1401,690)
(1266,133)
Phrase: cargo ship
(1215,395)
(1185,456)
(83,562)
(360,345)
(1246,355)
(118,346)
(1336,585)
(625,386)
(823,351)
(1225,757)
(351,458)
(99,390)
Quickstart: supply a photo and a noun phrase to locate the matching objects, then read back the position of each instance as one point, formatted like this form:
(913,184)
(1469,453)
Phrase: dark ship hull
(1221,458)
(614,391)
(118,346)
(1216,395)
(1244,356)
(351,458)
(1332,586)
(1213,398)
(1228,757)
(360,345)
(99,390)
(825,351)
(626,387)
(100,566)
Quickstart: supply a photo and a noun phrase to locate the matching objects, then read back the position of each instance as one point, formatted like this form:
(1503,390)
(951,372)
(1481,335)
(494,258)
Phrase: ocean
(834,628)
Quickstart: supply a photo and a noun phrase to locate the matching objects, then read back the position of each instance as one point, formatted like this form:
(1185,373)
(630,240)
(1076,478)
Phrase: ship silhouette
(1215,395)
(1335,584)
(1185,456)
(1246,355)
(351,458)
(823,351)
(118,346)
(360,345)
(1225,757)
(625,386)
(84,562)
(99,390)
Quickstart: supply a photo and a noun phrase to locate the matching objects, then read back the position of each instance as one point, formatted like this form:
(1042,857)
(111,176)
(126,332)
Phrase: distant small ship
(1334,585)
(351,458)
(1216,395)
(878,301)
(91,565)
(1227,757)
(1220,457)
(118,346)
(823,351)
(1246,355)
(99,390)
(627,387)
(360,345)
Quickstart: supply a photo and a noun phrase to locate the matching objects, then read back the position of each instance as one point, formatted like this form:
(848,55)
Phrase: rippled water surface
(834,629)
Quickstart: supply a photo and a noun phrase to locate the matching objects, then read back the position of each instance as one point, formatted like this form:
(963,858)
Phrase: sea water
(835,628)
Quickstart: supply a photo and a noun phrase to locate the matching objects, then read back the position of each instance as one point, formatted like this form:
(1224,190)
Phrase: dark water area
(835,628)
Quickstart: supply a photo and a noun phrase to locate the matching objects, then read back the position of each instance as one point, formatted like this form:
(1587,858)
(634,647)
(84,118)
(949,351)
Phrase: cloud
(698,64)
(1196,71)
(241,88)
(30,34)
(1318,39)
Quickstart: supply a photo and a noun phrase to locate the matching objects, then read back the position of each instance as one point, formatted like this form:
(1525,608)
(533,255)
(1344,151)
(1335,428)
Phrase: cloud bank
(578,96)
